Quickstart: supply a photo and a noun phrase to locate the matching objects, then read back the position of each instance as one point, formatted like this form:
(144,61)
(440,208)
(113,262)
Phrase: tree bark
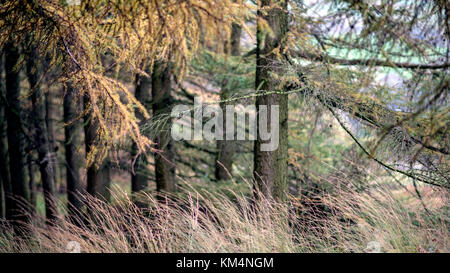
(72,131)
(19,189)
(51,133)
(99,181)
(226,148)
(2,200)
(4,172)
(162,104)
(31,182)
(98,175)
(139,180)
(270,167)
(46,155)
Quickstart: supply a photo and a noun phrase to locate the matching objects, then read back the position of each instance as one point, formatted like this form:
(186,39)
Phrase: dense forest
(224,126)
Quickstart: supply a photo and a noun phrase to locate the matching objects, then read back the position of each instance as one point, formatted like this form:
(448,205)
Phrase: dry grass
(205,222)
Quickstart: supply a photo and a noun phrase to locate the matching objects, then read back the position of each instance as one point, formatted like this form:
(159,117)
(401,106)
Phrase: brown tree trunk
(162,104)
(2,200)
(99,181)
(139,179)
(46,155)
(98,175)
(31,182)
(51,133)
(227,148)
(72,131)
(5,183)
(19,188)
(4,167)
(270,167)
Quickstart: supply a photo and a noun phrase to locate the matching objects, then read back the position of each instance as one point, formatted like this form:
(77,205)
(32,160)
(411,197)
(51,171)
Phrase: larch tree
(139,178)
(270,167)
(72,130)
(20,193)
(4,171)
(50,121)
(162,103)
(98,173)
(383,66)
(74,36)
(45,151)
(227,148)
(2,201)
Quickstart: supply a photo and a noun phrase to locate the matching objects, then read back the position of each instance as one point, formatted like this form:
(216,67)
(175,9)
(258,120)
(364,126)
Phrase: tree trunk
(98,175)
(226,148)
(2,200)
(31,182)
(72,131)
(99,181)
(139,180)
(162,104)
(270,167)
(5,182)
(4,175)
(51,133)
(19,188)
(4,170)
(46,155)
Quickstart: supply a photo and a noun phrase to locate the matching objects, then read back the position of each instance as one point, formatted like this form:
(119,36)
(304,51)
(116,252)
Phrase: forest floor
(201,218)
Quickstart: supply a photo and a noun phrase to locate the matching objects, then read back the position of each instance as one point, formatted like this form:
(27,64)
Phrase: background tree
(50,121)
(72,133)
(31,174)
(20,190)
(4,171)
(227,148)
(45,150)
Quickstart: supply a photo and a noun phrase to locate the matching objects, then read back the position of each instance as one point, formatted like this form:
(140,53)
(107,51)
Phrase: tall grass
(200,221)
